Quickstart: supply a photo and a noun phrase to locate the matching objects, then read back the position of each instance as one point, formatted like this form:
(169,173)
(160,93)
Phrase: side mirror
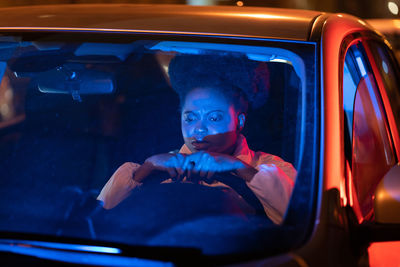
(387,198)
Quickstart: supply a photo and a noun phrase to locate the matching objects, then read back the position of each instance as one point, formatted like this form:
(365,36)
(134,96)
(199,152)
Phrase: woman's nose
(200,128)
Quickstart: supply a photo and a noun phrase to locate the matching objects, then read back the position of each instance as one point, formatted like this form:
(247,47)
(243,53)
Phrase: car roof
(211,20)
(385,26)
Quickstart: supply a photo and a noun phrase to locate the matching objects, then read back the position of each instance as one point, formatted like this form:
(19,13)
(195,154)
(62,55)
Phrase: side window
(370,151)
(389,76)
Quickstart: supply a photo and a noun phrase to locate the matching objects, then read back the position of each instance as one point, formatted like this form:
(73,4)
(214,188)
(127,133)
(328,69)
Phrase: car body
(345,98)
(389,28)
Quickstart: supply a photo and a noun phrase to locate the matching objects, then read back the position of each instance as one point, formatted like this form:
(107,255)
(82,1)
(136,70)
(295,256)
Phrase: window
(389,76)
(371,145)
(79,110)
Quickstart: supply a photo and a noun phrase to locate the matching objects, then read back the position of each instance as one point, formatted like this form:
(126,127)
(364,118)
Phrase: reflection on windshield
(150,143)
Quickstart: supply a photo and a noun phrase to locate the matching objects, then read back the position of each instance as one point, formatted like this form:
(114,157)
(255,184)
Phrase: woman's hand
(168,162)
(205,164)
(201,165)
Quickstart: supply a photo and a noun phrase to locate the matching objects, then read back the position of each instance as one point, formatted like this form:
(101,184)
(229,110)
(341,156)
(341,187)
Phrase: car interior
(68,145)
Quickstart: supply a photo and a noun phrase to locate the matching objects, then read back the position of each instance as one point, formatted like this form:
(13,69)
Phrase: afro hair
(245,81)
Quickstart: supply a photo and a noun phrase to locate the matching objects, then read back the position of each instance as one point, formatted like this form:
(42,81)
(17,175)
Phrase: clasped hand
(196,166)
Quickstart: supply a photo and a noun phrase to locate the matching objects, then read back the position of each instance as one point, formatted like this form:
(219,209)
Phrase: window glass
(389,76)
(372,152)
(350,85)
(157,142)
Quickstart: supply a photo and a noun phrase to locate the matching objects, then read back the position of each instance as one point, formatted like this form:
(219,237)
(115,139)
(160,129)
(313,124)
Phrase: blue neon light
(80,257)
(75,253)
(65,246)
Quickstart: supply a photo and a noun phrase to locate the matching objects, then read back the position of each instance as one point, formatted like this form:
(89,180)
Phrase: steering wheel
(155,209)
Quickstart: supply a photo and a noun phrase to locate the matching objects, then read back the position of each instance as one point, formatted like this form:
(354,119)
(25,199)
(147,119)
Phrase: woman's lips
(200,145)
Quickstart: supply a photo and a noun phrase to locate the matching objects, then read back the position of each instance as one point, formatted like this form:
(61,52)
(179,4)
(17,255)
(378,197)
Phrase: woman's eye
(215,117)
(189,118)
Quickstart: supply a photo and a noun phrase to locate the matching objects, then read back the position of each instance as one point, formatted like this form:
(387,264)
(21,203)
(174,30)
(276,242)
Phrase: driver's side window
(369,146)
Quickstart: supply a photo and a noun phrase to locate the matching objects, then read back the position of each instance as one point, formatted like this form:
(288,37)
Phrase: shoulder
(268,158)
(265,158)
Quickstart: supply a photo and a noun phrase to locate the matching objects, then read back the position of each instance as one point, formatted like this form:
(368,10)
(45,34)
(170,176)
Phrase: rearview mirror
(77,82)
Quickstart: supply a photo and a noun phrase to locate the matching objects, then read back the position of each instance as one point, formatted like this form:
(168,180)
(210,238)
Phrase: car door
(370,107)
(387,73)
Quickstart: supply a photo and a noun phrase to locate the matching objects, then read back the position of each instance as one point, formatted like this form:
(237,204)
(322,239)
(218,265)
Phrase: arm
(131,175)
(273,187)
(119,186)
(271,182)
(246,173)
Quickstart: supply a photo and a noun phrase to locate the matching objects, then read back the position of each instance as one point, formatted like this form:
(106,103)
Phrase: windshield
(158,142)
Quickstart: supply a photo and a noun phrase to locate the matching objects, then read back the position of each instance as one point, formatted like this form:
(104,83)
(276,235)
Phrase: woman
(214,103)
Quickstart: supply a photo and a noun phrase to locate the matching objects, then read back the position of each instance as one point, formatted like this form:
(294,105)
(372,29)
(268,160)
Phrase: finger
(193,167)
(176,164)
(179,170)
(185,163)
(203,174)
(180,174)
(200,166)
(172,173)
(194,172)
(192,160)
(188,163)
(188,175)
(208,164)
(180,159)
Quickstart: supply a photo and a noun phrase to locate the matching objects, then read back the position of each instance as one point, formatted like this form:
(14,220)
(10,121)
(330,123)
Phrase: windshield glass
(157,142)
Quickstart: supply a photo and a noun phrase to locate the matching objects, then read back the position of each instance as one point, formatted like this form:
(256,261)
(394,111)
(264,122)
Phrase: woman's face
(209,121)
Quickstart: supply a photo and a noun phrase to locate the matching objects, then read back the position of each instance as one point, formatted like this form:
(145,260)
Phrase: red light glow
(384,254)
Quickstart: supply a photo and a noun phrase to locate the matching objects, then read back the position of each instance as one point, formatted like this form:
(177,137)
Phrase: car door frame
(365,233)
